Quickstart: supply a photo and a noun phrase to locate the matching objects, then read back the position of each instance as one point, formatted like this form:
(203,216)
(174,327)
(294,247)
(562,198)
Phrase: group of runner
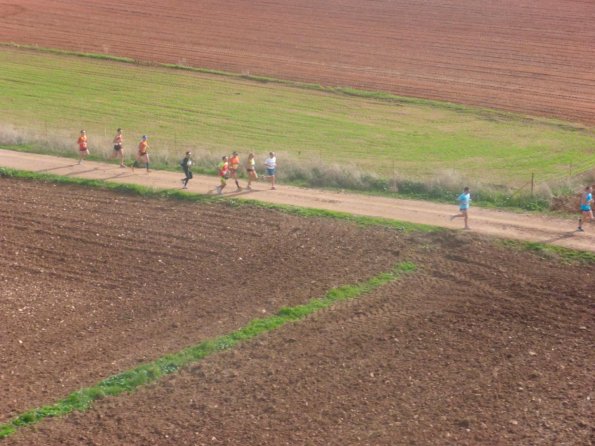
(586,203)
(142,154)
(229,167)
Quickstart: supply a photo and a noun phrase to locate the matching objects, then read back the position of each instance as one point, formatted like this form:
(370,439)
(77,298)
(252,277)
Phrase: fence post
(532,183)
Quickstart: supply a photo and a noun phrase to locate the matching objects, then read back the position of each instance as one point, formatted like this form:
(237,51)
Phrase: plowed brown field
(477,347)
(93,283)
(533,56)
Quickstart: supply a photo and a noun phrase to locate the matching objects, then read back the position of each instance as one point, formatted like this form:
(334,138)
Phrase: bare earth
(520,226)
(533,57)
(480,346)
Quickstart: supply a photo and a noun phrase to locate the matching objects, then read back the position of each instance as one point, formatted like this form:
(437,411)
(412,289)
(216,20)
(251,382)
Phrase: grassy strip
(571,256)
(201,198)
(315,129)
(57,51)
(132,379)
(487,113)
(344,91)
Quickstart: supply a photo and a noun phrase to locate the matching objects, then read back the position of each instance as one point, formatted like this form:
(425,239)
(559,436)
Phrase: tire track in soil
(430,359)
(81,303)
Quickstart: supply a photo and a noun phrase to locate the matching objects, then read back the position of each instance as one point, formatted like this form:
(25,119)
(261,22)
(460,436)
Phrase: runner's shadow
(78,172)
(242,192)
(57,168)
(560,237)
(119,175)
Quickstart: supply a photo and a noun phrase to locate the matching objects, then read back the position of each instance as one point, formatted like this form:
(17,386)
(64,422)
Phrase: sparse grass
(406,139)
(130,380)
(567,255)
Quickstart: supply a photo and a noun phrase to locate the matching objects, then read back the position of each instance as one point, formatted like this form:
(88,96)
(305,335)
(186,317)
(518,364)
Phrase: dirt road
(520,226)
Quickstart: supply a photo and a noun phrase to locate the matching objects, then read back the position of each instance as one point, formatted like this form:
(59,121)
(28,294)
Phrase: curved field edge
(347,91)
(130,380)
(567,255)
(201,198)
(487,113)
(370,133)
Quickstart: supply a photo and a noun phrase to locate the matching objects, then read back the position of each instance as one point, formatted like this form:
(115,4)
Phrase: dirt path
(520,226)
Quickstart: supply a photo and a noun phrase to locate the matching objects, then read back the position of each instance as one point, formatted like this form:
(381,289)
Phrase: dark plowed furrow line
(503,280)
(143,223)
(396,303)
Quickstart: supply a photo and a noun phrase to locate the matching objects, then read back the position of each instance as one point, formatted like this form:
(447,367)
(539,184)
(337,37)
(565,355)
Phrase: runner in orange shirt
(83,147)
(143,153)
(234,166)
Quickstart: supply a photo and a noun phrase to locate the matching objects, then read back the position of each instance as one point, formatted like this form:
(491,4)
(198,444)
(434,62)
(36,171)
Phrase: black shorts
(117,147)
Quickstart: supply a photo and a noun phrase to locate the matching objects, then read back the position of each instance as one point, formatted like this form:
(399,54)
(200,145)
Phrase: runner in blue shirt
(585,205)
(464,200)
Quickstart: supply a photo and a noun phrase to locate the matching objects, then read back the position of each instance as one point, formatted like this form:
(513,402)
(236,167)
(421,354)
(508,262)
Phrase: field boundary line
(378,95)
(130,380)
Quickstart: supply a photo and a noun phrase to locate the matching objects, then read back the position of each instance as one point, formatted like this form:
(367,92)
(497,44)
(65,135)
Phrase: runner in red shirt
(223,171)
(83,147)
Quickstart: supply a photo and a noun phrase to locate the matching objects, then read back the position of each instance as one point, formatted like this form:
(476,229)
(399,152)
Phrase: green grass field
(58,94)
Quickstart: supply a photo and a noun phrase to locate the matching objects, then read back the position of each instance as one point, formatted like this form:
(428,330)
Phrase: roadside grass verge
(131,380)
(549,251)
(177,194)
(566,255)
(443,188)
(53,94)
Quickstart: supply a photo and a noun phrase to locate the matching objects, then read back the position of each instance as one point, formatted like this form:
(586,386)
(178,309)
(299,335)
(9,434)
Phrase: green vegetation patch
(566,255)
(131,380)
(53,92)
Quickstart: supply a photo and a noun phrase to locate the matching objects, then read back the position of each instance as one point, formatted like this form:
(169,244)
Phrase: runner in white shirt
(271,166)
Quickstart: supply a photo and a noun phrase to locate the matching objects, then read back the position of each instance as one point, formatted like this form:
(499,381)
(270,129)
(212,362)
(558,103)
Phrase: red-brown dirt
(93,283)
(479,346)
(533,57)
